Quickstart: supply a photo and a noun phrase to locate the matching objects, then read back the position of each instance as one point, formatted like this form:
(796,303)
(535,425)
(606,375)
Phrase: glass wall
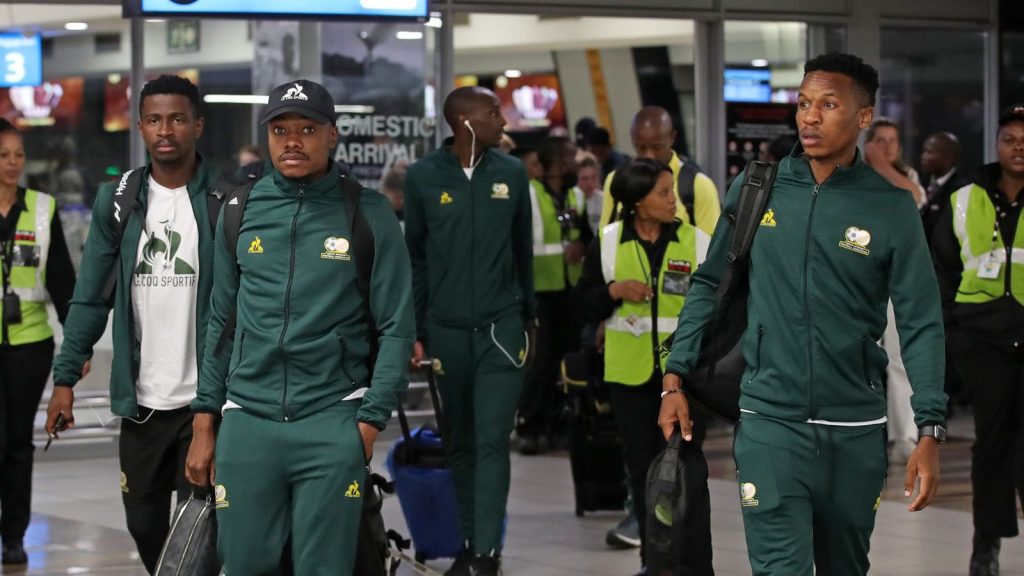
(933,80)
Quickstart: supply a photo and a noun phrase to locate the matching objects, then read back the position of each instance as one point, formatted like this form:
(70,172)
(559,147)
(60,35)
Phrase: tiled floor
(78,524)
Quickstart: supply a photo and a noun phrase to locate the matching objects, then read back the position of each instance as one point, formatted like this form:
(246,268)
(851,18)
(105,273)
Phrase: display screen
(54,103)
(21,60)
(117,106)
(321,9)
(748,85)
(531,102)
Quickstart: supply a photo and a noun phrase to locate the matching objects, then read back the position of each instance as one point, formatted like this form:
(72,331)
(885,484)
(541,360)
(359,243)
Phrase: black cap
(303,97)
(1012,114)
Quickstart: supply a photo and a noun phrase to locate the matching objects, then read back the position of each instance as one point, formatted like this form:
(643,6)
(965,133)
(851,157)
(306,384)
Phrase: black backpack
(715,383)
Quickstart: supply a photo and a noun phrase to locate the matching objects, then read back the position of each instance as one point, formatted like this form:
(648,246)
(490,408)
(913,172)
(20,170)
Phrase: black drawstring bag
(678,516)
(191,545)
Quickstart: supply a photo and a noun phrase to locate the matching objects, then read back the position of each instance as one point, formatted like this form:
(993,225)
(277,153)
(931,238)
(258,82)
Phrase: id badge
(989,268)
(676,283)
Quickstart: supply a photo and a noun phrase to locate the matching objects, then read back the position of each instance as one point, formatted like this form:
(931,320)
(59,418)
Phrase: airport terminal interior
(727,71)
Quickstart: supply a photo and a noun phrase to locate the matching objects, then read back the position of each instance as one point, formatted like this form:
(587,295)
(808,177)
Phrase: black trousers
(636,417)
(153,451)
(542,401)
(995,381)
(23,373)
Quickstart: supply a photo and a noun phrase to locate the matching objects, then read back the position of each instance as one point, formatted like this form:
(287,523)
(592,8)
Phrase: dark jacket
(470,242)
(87,319)
(999,322)
(825,261)
(300,342)
(936,203)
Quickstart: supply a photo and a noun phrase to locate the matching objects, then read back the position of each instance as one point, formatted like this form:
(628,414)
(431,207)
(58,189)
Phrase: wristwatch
(937,431)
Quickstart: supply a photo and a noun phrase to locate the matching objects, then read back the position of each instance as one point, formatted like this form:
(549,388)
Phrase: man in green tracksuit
(835,243)
(467,225)
(301,407)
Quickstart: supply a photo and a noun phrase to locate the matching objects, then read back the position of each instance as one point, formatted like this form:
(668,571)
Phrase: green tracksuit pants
(300,480)
(480,381)
(809,493)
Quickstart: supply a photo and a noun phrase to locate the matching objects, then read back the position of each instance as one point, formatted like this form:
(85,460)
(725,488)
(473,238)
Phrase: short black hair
(864,76)
(6,126)
(632,182)
(461,101)
(550,151)
(522,151)
(598,137)
(170,84)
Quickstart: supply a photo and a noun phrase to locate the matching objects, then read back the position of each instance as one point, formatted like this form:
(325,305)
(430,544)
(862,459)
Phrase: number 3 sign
(21,60)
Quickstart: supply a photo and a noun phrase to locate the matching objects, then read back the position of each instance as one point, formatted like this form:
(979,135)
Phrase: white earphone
(472,152)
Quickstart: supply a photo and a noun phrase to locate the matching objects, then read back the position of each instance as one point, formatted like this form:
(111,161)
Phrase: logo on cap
(294,93)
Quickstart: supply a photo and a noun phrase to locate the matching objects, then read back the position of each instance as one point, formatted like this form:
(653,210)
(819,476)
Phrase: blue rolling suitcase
(423,482)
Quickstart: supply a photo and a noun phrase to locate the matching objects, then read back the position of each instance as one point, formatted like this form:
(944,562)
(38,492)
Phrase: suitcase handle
(429,366)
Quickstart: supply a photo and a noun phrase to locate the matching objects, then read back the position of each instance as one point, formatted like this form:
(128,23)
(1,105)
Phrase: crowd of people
(292,328)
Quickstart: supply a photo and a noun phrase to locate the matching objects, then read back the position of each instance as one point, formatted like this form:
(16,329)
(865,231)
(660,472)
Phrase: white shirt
(594,210)
(164,293)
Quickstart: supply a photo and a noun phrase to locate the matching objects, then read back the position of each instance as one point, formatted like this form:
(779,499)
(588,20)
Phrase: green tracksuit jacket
(479,243)
(87,319)
(824,263)
(300,342)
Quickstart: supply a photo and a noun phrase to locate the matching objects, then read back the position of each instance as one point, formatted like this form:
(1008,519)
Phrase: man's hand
(200,469)
(418,354)
(86,368)
(599,338)
(61,402)
(575,251)
(675,410)
(630,291)
(369,434)
(923,464)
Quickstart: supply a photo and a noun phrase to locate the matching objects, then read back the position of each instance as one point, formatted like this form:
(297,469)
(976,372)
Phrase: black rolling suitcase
(595,450)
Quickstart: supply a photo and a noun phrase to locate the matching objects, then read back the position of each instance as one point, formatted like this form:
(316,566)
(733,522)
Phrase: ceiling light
(759,63)
(155,20)
(435,21)
(409,35)
(76,26)
(260,100)
(513,73)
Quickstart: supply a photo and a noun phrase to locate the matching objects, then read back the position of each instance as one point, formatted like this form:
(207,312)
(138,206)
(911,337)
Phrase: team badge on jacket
(500,191)
(857,240)
(335,249)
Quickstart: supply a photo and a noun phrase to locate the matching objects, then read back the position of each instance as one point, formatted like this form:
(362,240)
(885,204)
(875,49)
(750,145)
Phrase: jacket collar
(200,183)
(322,187)
(798,165)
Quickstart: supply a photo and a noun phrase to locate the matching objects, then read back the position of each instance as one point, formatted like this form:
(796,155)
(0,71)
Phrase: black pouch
(12,308)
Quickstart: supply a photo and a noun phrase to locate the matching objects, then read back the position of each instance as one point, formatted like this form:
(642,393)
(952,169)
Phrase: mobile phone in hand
(57,425)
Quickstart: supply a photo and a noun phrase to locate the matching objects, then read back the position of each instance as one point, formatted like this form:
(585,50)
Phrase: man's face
(1010,149)
(654,142)
(486,119)
(569,157)
(169,128)
(300,148)
(934,159)
(534,169)
(830,115)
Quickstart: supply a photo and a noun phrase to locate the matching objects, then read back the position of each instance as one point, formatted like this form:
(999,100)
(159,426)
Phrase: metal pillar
(709,74)
(136,148)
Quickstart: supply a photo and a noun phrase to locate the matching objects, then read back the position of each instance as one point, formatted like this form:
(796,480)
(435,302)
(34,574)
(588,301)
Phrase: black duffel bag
(714,385)
(191,545)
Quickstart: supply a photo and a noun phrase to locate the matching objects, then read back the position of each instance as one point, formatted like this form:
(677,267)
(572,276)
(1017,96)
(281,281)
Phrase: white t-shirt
(165,288)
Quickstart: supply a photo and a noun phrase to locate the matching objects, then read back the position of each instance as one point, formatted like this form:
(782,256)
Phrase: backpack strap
(685,186)
(363,253)
(233,206)
(125,204)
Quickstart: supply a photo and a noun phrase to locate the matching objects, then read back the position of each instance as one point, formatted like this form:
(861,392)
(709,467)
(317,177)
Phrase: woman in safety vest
(636,275)
(35,264)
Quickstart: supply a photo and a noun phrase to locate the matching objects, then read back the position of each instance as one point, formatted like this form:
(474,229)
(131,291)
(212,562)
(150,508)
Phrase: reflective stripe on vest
(28,274)
(974,219)
(549,268)
(629,342)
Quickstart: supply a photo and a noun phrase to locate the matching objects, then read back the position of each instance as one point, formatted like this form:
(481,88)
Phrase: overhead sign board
(21,60)
(276,9)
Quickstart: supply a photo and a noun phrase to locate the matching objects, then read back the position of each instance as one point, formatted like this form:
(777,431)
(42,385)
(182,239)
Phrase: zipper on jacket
(864,361)
(241,351)
(287,304)
(344,356)
(757,356)
(807,300)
